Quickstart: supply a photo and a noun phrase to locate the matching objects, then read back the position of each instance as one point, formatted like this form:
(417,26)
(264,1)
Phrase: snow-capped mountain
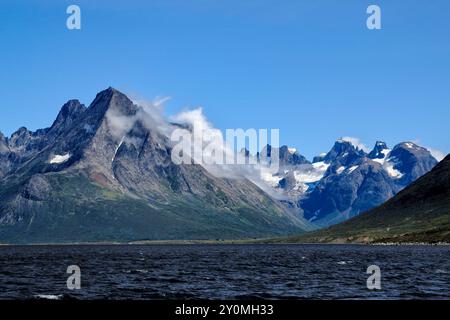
(347,181)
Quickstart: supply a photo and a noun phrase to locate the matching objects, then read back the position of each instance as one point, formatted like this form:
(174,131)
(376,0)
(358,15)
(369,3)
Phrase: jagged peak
(69,111)
(73,104)
(380,144)
(20,131)
(114,100)
(109,93)
(342,146)
(345,150)
(379,151)
(354,142)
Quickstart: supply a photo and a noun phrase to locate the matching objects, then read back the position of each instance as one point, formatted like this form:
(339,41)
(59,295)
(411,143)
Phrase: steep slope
(419,213)
(105,173)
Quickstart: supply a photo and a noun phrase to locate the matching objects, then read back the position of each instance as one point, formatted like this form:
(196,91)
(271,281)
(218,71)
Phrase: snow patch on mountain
(385,153)
(393,173)
(351,169)
(410,145)
(321,166)
(117,148)
(60,159)
(308,176)
(340,170)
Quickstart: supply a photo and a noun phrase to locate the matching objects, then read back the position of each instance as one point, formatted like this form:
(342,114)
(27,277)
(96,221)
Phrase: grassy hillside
(79,210)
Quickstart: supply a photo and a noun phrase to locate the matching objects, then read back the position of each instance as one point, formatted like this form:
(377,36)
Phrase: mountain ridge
(122,154)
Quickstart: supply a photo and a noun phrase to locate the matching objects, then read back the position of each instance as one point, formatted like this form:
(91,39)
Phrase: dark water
(225,272)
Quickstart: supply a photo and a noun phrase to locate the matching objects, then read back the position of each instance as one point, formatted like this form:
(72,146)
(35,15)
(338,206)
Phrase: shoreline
(218,242)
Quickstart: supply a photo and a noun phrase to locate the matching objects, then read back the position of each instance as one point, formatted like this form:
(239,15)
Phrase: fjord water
(225,271)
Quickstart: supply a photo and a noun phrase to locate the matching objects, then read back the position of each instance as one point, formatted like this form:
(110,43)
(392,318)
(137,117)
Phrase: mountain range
(346,181)
(419,213)
(104,173)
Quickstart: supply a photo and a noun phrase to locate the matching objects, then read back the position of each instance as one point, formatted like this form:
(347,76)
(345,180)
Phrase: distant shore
(222,242)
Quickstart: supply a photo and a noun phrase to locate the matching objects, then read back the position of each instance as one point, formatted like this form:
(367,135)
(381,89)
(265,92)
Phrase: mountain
(346,181)
(104,173)
(419,213)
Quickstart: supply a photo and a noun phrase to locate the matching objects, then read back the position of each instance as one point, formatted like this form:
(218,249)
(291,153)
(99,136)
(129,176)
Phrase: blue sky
(310,68)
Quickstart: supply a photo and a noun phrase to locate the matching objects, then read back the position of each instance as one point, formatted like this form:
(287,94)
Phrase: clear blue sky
(310,68)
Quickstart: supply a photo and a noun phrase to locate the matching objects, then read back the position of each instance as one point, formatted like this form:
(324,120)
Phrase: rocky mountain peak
(112,100)
(411,159)
(344,151)
(69,113)
(290,156)
(20,137)
(408,149)
(378,151)
(20,131)
(71,108)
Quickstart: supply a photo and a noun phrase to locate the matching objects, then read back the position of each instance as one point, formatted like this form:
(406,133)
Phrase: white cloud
(151,115)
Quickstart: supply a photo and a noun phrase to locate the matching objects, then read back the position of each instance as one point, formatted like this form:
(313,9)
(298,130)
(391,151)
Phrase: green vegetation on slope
(79,210)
